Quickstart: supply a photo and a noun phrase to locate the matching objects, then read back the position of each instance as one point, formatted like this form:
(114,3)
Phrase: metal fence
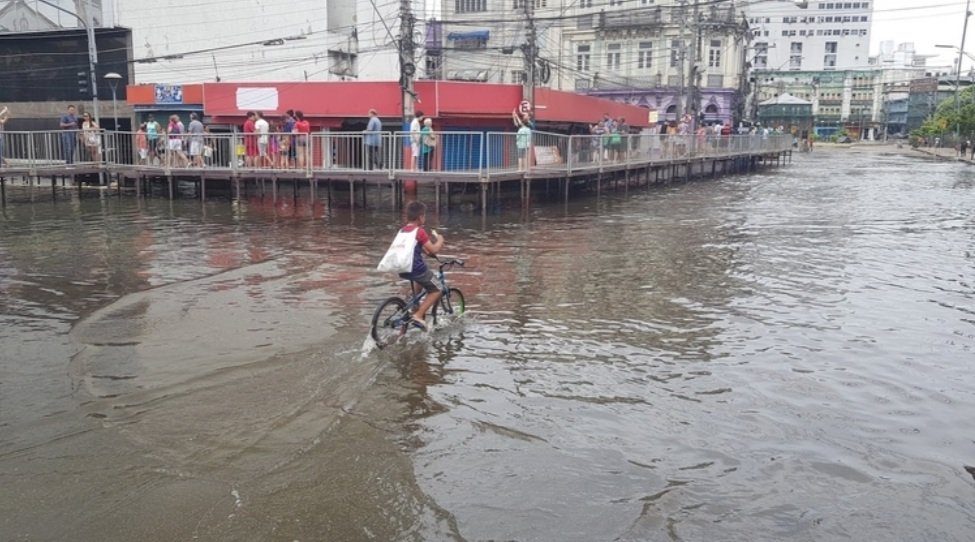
(445,153)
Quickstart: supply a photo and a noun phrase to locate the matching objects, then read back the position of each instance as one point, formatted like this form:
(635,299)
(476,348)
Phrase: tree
(947,116)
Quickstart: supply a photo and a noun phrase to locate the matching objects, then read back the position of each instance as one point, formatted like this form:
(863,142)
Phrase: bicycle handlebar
(449,263)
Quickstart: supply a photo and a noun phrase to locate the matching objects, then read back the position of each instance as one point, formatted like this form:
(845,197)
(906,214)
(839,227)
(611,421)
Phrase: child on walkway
(421,275)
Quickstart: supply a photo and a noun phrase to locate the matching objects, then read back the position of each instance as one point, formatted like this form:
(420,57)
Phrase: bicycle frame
(451,302)
(417,297)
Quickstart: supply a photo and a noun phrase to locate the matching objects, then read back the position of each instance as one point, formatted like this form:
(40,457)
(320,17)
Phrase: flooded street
(780,356)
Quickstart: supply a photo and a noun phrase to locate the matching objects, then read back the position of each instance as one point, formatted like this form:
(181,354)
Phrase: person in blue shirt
(373,141)
(69,134)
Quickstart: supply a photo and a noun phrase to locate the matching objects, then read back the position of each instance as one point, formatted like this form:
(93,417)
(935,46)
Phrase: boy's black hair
(414,210)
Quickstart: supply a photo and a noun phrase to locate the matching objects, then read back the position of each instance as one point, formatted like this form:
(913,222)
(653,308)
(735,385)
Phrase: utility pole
(530,49)
(681,57)
(693,104)
(961,56)
(407,64)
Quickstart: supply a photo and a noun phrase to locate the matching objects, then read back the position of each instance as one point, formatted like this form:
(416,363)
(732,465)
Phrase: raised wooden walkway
(644,165)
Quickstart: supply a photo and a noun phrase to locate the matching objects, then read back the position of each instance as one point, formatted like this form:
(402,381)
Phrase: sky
(926,23)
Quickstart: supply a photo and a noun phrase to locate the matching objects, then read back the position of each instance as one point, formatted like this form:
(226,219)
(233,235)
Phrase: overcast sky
(926,23)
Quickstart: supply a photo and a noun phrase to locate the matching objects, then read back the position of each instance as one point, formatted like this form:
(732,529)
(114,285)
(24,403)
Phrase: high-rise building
(823,35)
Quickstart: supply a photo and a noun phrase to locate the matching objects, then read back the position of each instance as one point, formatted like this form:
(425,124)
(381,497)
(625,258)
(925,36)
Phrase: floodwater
(781,356)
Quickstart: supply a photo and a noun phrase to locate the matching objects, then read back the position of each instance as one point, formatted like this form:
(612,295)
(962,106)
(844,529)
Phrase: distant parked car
(844,139)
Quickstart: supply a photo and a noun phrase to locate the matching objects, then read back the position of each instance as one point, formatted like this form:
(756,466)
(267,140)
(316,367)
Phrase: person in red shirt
(302,130)
(421,275)
(250,140)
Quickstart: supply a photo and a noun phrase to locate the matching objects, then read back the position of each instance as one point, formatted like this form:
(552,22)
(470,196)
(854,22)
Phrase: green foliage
(948,117)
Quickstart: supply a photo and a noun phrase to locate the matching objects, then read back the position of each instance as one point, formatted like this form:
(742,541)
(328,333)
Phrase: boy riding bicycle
(421,275)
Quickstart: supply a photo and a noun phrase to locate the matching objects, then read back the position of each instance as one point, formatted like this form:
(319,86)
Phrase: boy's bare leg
(425,305)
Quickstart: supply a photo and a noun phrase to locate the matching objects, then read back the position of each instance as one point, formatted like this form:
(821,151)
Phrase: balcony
(644,81)
(636,18)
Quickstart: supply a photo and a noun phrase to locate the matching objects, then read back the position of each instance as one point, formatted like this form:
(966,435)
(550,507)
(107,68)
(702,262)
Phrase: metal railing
(484,154)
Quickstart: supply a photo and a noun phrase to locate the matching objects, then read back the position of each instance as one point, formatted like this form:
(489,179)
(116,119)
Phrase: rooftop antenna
(215,72)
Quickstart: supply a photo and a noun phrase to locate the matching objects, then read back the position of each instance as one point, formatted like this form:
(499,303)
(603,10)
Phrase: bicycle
(393,316)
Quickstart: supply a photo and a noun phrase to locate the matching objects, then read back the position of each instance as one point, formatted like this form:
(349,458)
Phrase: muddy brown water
(780,356)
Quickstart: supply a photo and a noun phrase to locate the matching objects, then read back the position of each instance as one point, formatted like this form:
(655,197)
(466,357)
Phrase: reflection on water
(773,357)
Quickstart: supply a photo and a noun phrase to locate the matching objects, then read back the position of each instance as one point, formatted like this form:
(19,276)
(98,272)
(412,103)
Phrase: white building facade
(823,36)
(485,40)
(668,55)
(187,41)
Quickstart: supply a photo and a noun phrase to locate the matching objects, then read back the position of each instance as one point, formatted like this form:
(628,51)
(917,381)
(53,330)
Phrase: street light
(113,79)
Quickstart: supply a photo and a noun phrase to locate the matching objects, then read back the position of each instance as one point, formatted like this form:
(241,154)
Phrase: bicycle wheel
(451,305)
(388,321)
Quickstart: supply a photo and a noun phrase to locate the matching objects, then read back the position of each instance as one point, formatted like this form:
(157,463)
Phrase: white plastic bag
(399,257)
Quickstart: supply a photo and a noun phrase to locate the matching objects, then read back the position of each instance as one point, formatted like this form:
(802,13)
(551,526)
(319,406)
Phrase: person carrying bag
(399,256)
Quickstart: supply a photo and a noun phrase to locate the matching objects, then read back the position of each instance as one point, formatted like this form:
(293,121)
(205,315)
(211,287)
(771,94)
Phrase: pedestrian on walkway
(302,135)
(288,141)
(250,141)
(142,144)
(428,143)
(415,126)
(263,130)
(175,153)
(69,134)
(3,123)
(196,140)
(373,141)
(152,135)
(522,140)
(91,135)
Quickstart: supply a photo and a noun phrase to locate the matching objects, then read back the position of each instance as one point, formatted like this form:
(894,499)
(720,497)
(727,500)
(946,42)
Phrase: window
(518,77)
(613,56)
(831,47)
(585,4)
(645,55)
(714,54)
(582,58)
(470,6)
(795,55)
(585,21)
(615,3)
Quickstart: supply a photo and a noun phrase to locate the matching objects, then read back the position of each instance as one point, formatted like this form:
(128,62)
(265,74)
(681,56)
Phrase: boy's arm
(433,247)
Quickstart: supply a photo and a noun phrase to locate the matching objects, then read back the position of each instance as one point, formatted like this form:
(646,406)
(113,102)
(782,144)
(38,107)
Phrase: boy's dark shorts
(425,280)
